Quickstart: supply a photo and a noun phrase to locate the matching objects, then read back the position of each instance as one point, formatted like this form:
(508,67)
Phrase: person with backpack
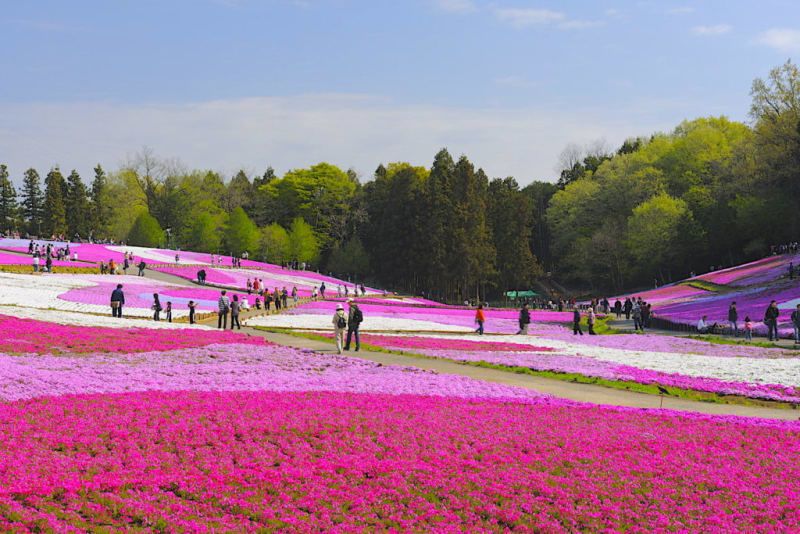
(628,307)
(796,324)
(771,320)
(339,325)
(117,301)
(156,307)
(733,317)
(354,319)
(576,322)
(223,306)
(638,324)
(480,319)
(524,320)
(235,306)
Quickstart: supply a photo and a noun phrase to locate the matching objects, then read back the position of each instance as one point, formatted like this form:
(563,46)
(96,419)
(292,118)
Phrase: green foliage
(351,259)
(9,210)
(653,230)
(146,232)
(241,234)
(204,234)
(275,246)
(101,204)
(54,222)
(303,243)
(126,202)
(78,208)
(32,201)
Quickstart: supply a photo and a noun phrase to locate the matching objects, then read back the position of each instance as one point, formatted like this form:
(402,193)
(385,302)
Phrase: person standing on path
(748,329)
(590,321)
(733,318)
(294,295)
(480,318)
(796,324)
(524,320)
(117,301)
(276,296)
(771,320)
(141,266)
(169,311)
(125,265)
(223,305)
(354,320)
(628,307)
(235,313)
(576,322)
(285,297)
(36,264)
(156,307)
(322,290)
(192,307)
(637,317)
(339,325)
(618,308)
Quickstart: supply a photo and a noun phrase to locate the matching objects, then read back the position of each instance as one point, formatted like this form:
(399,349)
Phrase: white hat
(339,307)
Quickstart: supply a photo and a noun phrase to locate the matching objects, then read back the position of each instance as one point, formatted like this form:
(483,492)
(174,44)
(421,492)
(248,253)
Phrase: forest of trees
(711,192)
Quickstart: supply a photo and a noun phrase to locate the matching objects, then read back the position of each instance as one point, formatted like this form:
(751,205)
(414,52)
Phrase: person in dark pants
(733,318)
(235,313)
(223,305)
(142,266)
(117,301)
(628,307)
(771,320)
(524,320)
(192,306)
(156,307)
(169,311)
(576,322)
(354,320)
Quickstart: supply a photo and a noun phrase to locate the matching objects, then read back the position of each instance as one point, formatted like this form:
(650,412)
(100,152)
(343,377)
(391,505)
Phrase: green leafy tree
(204,233)
(32,202)
(351,259)
(77,207)
(146,232)
(303,243)
(275,244)
(9,210)
(126,201)
(55,218)
(241,234)
(240,193)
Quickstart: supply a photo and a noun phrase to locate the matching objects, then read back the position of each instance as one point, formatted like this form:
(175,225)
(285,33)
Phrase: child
(192,306)
(258,303)
(748,329)
(169,311)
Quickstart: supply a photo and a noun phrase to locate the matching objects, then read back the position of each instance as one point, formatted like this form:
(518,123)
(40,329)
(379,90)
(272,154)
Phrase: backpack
(340,322)
(358,317)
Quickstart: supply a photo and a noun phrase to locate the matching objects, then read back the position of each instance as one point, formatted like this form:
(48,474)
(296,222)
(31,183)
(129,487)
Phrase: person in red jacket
(480,318)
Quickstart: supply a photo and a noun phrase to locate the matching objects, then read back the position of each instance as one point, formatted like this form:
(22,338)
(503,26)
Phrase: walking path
(558,388)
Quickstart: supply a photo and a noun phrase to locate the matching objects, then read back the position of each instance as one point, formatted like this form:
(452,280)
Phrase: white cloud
(457,6)
(680,10)
(717,29)
(289,132)
(781,39)
(524,17)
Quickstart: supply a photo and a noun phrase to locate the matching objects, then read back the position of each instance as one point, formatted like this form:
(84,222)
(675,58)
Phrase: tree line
(711,192)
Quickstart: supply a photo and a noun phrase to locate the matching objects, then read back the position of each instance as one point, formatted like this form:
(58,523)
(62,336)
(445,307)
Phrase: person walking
(733,317)
(294,295)
(235,307)
(748,329)
(354,319)
(771,320)
(339,325)
(480,319)
(223,305)
(48,264)
(36,264)
(796,324)
(322,291)
(637,317)
(117,301)
(524,319)
(618,308)
(141,266)
(285,297)
(249,286)
(628,307)
(590,321)
(169,311)
(276,296)
(192,306)
(156,307)
(125,265)
(576,322)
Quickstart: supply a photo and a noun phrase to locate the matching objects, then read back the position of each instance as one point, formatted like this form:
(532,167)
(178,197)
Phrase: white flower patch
(43,291)
(153,255)
(372,324)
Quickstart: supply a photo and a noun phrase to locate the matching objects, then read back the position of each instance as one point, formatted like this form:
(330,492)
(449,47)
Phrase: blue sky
(229,84)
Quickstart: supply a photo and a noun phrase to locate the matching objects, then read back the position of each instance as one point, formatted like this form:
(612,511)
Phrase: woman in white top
(339,326)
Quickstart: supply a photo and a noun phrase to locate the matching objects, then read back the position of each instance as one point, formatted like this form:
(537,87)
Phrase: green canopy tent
(521,294)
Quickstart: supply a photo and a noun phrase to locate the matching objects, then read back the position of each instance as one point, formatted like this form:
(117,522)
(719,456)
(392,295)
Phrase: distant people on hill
(796,324)
(748,328)
(339,325)
(156,307)
(223,306)
(733,318)
(771,320)
(524,319)
(117,301)
(480,319)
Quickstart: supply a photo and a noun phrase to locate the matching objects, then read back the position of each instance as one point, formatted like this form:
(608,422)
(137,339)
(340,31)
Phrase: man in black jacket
(354,320)
(117,301)
(524,320)
(771,320)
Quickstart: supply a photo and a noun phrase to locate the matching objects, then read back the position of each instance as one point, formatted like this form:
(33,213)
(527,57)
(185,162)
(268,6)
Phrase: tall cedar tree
(8,202)
(78,208)
(32,202)
(54,221)
(439,224)
(101,208)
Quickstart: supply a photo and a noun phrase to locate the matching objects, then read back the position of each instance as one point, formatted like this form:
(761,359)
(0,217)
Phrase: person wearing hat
(354,320)
(339,324)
